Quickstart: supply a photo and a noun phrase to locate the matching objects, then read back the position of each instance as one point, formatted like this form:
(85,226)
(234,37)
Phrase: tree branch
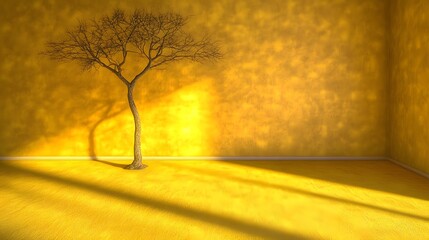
(139,75)
(107,42)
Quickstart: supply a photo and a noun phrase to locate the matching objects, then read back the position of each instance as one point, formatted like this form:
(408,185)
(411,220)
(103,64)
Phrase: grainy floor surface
(212,200)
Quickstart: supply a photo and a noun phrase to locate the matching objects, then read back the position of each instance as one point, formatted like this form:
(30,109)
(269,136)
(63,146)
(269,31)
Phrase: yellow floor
(212,200)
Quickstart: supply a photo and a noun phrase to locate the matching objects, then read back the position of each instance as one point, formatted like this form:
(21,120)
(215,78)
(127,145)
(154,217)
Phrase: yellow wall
(299,77)
(409,99)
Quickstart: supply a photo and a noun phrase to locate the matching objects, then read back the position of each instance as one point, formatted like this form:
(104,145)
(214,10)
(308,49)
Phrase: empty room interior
(302,119)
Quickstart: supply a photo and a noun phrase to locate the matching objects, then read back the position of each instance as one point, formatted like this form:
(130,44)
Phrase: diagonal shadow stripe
(250,229)
(299,191)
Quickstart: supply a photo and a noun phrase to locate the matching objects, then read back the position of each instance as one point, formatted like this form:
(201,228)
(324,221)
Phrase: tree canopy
(108,41)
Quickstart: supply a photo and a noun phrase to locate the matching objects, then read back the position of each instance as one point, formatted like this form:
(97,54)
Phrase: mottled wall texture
(409,88)
(298,78)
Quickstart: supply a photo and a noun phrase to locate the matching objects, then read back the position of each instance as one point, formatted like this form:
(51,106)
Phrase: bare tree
(109,41)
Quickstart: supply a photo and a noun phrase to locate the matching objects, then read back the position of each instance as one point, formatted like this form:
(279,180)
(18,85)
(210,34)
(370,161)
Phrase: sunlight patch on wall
(180,124)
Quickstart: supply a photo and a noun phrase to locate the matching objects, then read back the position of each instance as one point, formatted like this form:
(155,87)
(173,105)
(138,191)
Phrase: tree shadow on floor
(113,164)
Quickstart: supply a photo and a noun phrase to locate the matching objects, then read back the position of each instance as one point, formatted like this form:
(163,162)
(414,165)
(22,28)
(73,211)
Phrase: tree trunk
(137,163)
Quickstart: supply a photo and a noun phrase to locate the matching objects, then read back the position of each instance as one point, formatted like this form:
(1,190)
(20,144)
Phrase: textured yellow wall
(299,77)
(409,99)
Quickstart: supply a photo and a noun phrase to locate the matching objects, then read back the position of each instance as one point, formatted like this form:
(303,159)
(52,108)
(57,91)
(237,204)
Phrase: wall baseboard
(71,158)
(247,158)
(421,173)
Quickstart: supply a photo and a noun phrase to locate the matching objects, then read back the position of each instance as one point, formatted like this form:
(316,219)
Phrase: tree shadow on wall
(50,104)
(105,112)
(56,99)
